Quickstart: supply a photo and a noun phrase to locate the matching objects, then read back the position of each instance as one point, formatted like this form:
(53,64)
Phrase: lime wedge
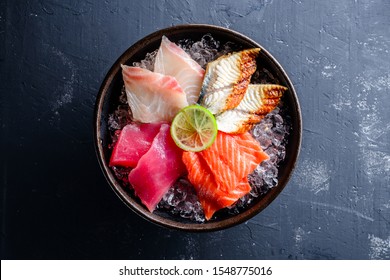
(194,128)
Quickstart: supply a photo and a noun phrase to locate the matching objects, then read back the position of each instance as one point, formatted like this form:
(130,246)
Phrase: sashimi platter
(197,127)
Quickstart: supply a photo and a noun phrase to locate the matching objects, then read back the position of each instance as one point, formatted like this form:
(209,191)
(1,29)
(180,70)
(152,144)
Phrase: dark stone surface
(55,201)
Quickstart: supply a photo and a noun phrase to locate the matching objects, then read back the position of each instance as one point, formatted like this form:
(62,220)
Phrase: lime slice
(194,128)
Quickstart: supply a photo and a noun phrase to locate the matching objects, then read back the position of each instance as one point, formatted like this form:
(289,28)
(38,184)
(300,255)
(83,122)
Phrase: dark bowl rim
(135,206)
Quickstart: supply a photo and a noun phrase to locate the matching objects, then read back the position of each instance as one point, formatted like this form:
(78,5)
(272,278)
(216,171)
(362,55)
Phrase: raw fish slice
(223,165)
(241,189)
(152,97)
(208,191)
(200,174)
(157,169)
(226,80)
(258,101)
(232,157)
(133,142)
(251,148)
(219,174)
(173,61)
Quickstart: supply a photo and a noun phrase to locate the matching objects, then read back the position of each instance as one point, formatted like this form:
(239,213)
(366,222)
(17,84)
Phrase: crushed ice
(271,133)
(148,62)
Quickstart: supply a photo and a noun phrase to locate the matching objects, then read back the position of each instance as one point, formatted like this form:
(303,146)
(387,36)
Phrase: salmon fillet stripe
(219,174)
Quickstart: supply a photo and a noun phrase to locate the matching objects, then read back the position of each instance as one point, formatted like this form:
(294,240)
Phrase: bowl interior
(108,100)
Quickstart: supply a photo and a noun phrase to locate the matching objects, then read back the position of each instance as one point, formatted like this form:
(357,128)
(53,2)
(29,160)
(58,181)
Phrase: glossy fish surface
(152,97)
(173,61)
(157,169)
(219,173)
(133,142)
(258,101)
(226,80)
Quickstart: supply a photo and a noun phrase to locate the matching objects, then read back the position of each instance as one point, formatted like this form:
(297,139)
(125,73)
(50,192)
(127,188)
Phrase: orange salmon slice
(219,174)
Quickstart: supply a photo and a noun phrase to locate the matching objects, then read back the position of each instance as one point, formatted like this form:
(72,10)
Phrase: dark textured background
(55,201)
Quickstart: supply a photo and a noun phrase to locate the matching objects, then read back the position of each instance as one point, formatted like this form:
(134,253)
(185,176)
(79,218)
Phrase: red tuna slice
(133,142)
(157,169)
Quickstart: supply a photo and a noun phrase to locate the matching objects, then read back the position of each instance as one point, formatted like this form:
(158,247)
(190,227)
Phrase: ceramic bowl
(107,101)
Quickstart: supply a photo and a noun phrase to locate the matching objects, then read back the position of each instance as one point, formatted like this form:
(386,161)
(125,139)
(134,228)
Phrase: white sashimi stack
(175,83)
(152,97)
(173,61)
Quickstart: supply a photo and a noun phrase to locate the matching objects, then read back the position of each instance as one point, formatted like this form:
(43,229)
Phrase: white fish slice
(174,61)
(258,101)
(152,97)
(226,80)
